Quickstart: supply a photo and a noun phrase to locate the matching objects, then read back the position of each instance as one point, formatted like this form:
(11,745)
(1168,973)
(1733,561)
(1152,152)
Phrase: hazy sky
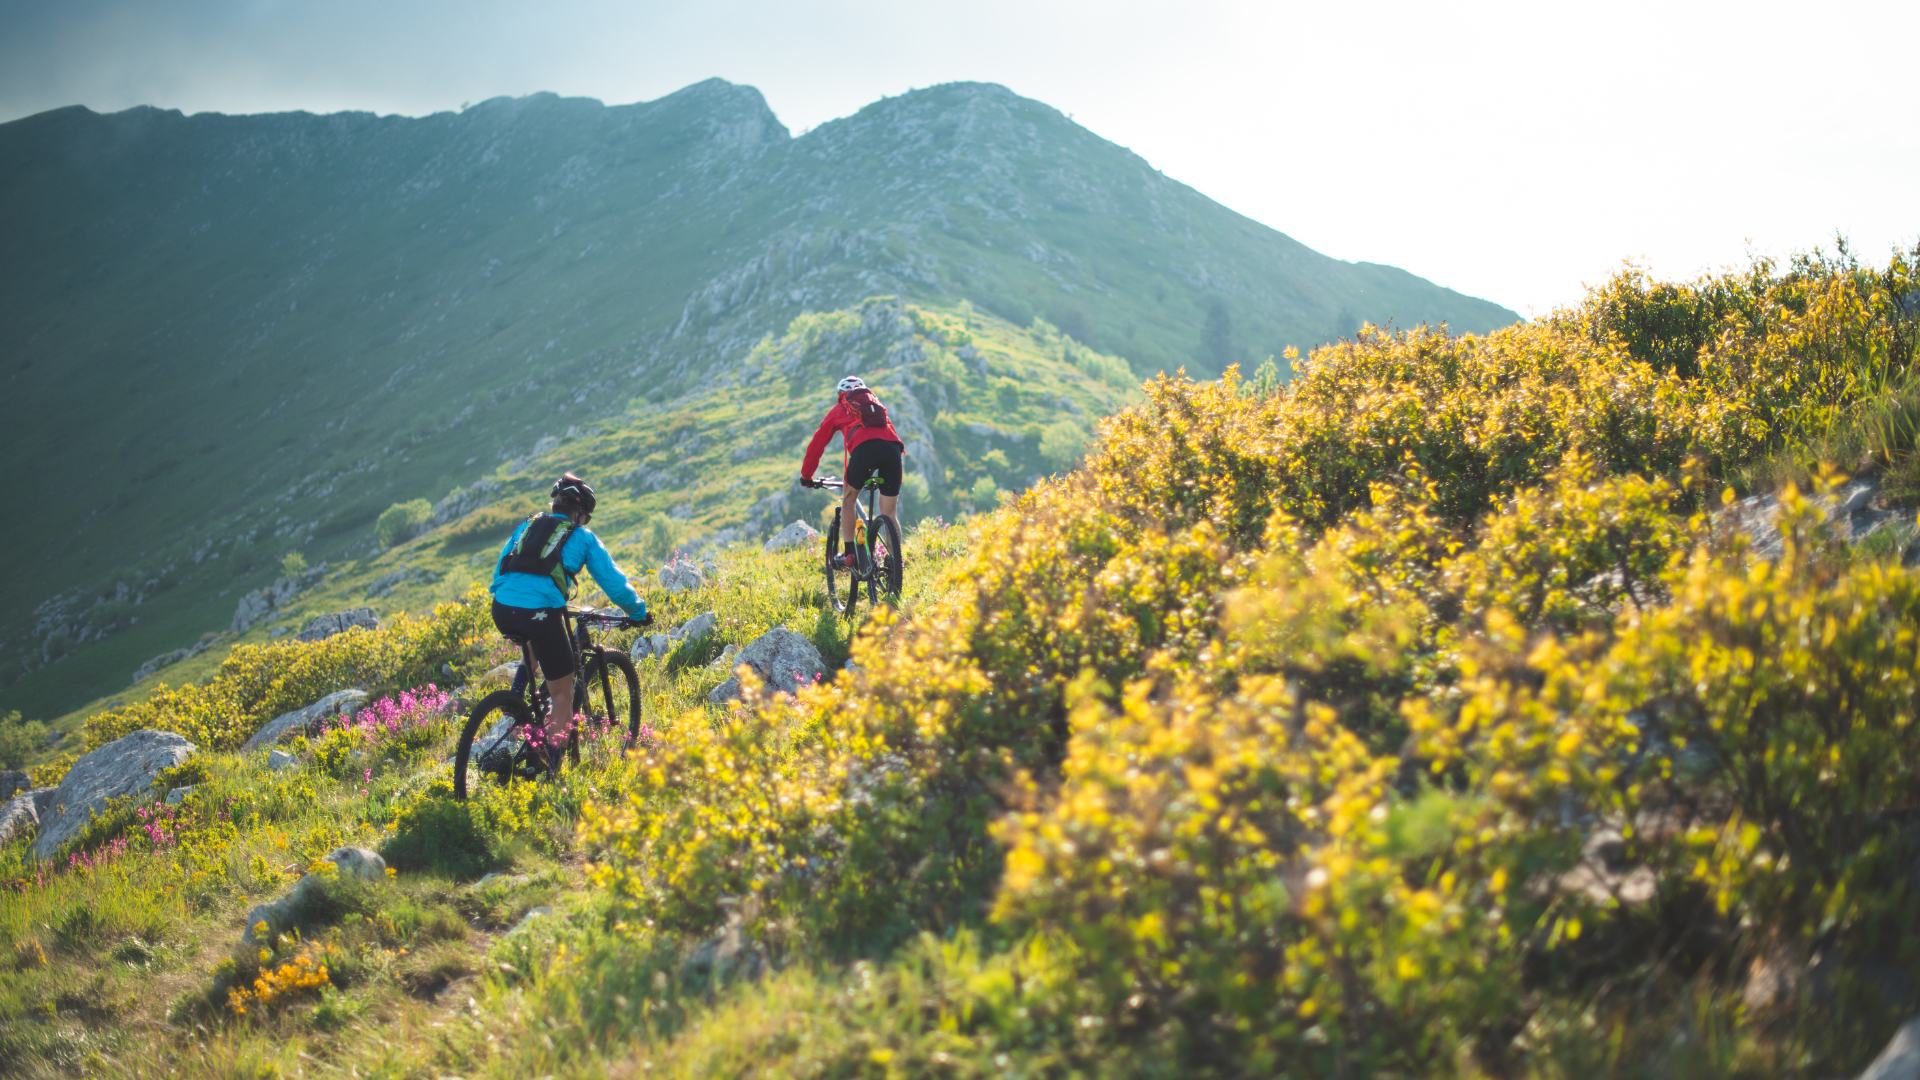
(1510,150)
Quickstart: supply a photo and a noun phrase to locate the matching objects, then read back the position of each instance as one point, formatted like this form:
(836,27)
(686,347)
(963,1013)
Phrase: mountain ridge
(269,328)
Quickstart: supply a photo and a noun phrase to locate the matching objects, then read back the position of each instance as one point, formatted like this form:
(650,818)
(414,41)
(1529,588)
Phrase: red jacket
(844,419)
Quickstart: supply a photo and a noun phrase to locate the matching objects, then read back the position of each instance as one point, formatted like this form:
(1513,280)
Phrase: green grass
(110,968)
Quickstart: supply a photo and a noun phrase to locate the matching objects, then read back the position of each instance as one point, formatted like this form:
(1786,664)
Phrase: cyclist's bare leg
(560,713)
(848,515)
(888,504)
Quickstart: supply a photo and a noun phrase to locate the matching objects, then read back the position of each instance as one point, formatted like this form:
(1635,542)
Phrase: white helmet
(851,383)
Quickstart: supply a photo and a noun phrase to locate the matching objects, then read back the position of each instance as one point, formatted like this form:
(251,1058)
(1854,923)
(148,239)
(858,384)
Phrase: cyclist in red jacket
(872,447)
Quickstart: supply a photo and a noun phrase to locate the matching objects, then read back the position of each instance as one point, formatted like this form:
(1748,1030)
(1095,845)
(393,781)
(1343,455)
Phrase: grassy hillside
(986,408)
(264,330)
(1424,715)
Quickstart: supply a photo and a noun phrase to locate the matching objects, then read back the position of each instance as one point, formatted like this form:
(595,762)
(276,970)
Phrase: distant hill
(229,338)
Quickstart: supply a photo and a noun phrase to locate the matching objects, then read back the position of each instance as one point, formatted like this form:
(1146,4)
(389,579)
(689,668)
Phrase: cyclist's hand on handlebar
(808,481)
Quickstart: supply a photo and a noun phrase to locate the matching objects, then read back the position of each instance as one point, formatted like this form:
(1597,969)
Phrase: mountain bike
(876,544)
(506,741)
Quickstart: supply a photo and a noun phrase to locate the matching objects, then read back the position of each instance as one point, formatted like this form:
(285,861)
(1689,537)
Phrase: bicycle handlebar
(609,618)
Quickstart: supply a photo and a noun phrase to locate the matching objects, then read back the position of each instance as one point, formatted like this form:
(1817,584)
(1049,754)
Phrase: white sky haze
(1514,151)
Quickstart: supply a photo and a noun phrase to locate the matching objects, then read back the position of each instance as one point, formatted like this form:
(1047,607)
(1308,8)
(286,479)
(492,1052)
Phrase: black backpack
(538,552)
(872,413)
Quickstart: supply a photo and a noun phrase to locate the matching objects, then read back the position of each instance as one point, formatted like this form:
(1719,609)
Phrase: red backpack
(872,413)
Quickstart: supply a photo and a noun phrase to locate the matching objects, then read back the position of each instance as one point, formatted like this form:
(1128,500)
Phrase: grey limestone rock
(179,795)
(680,575)
(280,915)
(697,627)
(255,606)
(305,721)
(12,782)
(659,645)
(321,627)
(20,815)
(795,534)
(125,766)
(1855,511)
(782,659)
(280,759)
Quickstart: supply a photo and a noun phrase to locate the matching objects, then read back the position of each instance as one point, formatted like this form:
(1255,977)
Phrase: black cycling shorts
(545,629)
(880,456)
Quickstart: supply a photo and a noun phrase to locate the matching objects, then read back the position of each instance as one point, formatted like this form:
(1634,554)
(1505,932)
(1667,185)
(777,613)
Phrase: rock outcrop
(681,575)
(796,534)
(283,914)
(174,656)
(1855,511)
(20,815)
(13,782)
(306,720)
(321,627)
(659,645)
(125,766)
(256,606)
(782,659)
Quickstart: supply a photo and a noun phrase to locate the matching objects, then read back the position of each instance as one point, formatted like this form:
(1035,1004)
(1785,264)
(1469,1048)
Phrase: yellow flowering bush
(305,971)
(255,683)
(1410,718)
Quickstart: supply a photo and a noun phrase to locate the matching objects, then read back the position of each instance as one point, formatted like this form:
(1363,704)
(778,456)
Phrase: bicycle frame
(578,642)
(866,513)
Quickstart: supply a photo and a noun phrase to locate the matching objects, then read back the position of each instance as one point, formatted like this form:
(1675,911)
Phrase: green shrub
(402,521)
(21,741)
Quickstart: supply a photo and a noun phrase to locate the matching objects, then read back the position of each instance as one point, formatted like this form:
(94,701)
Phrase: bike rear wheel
(500,744)
(843,588)
(606,702)
(889,571)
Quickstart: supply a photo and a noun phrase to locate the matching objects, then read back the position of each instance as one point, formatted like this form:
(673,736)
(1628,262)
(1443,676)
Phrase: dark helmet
(570,488)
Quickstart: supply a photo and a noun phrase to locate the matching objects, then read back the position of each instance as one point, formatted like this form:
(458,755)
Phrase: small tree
(402,521)
(293,564)
(1061,443)
(20,739)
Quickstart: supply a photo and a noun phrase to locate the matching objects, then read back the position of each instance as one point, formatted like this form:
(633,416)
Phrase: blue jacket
(581,549)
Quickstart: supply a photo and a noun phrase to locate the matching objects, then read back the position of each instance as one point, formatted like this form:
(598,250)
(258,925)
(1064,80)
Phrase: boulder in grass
(648,646)
(305,721)
(697,627)
(659,645)
(125,766)
(322,627)
(782,659)
(282,914)
(681,575)
(13,782)
(19,816)
(280,759)
(796,534)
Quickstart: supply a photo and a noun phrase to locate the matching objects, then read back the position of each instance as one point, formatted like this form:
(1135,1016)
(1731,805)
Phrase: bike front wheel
(607,702)
(500,744)
(889,570)
(843,587)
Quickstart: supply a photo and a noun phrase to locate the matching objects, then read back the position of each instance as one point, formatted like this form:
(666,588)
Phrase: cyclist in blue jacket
(535,578)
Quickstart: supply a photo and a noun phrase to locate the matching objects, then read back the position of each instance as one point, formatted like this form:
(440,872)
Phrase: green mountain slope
(245,336)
